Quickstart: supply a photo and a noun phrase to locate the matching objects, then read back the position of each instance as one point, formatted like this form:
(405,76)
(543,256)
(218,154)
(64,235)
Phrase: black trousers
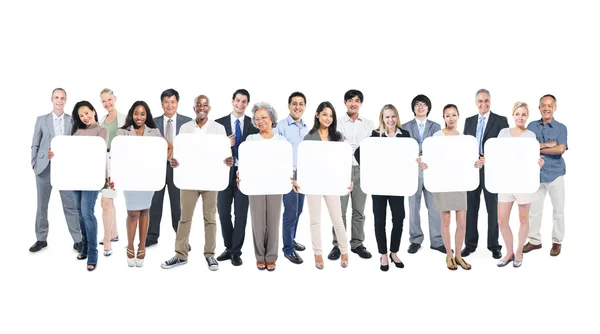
(491,203)
(379,211)
(233,232)
(156,209)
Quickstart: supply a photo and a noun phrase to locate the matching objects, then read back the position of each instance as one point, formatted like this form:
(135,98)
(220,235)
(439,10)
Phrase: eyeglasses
(420,104)
(295,104)
(261,119)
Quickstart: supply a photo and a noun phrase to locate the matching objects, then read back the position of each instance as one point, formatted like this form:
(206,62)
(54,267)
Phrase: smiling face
(263,120)
(390,120)
(139,116)
(520,116)
(451,117)
(202,108)
(239,103)
(59,98)
(421,109)
(353,105)
(297,107)
(547,109)
(86,115)
(169,105)
(483,103)
(325,118)
(108,101)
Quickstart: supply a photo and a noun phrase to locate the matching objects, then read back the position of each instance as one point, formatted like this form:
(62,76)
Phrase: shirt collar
(54,117)
(290,120)
(485,117)
(173,118)
(552,123)
(347,118)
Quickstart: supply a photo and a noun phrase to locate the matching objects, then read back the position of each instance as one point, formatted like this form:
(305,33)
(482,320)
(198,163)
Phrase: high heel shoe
(344,261)
(140,262)
(319,262)
(382,266)
(398,264)
(130,260)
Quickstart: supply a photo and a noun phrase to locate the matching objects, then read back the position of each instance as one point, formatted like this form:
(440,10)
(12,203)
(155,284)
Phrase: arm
(556,150)
(169,149)
(35,143)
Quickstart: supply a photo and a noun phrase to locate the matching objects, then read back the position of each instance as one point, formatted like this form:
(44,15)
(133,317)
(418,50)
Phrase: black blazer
(404,134)
(248,129)
(494,124)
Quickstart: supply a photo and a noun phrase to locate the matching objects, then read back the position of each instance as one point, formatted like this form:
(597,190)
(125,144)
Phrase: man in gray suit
(419,129)
(168,124)
(56,123)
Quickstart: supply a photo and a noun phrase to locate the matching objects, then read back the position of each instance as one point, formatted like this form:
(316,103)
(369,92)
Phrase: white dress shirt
(59,120)
(355,131)
(174,123)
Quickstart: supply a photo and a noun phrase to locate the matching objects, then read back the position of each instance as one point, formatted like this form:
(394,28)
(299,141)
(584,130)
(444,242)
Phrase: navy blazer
(248,129)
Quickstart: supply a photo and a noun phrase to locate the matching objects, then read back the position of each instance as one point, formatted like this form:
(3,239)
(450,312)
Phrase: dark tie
(238,137)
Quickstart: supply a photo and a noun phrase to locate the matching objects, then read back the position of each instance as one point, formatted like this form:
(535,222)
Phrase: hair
(333,134)
(129,119)
(518,105)
(198,98)
(243,92)
(270,110)
(352,93)
(420,98)
(168,93)
(107,90)
(541,98)
(482,90)
(382,127)
(77,123)
(448,106)
(58,88)
(296,94)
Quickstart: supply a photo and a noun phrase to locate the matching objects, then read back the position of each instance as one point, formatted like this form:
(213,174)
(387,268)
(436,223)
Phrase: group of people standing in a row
(144,208)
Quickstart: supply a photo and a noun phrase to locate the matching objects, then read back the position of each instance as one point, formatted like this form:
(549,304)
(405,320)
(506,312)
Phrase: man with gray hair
(483,126)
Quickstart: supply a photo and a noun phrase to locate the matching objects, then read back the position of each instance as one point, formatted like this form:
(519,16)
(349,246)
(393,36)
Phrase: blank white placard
(450,161)
(388,166)
(138,163)
(265,167)
(79,163)
(324,167)
(511,165)
(200,158)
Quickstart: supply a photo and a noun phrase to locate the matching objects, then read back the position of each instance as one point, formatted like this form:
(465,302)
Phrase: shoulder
(222,120)
(122,132)
(441,133)
(154,132)
(403,133)
(374,133)
(183,118)
(504,132)
(435,124)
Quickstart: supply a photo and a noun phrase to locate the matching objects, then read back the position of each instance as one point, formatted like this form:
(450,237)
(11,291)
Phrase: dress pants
(359,199)
(189,199)
(265,212)
(491,203)
(156,209)
(314,210)
(233,234)
(434,219)
(379,213)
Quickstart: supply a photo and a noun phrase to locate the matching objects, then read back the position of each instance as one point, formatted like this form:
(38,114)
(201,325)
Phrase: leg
(174,195)
(503,221)
(156,209)
(132,221)
(344,208)
(557,196)
(491,204)
(107,220)
(241,217)
(334,206)
(224,200)
(445,230)
(209,211)
(461,224)
(71,215)
(88,203)
(300,208)
(359,199)
(414,205)
(141,253)
(289,221)
(258,215)
(44,189)
(314,211)
(523,229)
(189,198)
(379,213)
(435,235)
(272,231)
(77,199)
(471,235)
(397,208)
(535,215)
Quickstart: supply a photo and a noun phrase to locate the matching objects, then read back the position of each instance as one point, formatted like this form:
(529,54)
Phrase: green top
(112,130)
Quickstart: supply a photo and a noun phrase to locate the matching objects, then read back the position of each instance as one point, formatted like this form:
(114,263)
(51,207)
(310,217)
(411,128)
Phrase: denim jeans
(85,201)
(292,203)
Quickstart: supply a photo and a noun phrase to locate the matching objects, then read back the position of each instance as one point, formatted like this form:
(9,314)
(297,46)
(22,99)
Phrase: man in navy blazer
(168,124)
(237,126)
(483,126)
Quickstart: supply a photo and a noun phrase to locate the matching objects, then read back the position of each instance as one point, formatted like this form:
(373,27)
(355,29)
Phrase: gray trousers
(265,213)
(44,189)
(359,198)
(414,204)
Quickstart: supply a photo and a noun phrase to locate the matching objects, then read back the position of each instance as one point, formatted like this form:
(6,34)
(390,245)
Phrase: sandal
(344,261)
(261,265)
(450,263)
(91,267)
(130,260)
(463,264)
(140,262)
(270,266)
(81,256)
(319,262)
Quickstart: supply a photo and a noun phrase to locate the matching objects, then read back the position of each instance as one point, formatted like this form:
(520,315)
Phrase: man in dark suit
(483,126)
(168,124)
(237,126)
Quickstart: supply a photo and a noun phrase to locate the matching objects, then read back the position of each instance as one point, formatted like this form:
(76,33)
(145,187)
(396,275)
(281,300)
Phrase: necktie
(238,137)
(170,131)
(479,133)
(421,130)
(58,128)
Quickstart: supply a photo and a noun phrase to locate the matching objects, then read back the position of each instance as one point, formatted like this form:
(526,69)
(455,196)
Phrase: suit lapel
(159,125)
(489,124)
(427,131)
(246,127)
(50,124)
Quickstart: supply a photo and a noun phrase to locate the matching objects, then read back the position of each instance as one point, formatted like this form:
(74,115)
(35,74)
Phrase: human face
(297,107)
(139,116)
(390,120)
(108,101)
(325,118)
(169,105)
(421,109)
(202,108)
(86,115)
(483,103)
(59,98)
(353,106)
(262,120)
(547,109)
(451,117)
(240,103)
(520,116)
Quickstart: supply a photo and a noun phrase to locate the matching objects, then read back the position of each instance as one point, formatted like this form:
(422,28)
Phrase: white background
(392,52)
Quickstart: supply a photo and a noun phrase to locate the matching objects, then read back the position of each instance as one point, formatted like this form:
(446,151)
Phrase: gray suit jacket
(42,136)
(431,127)
(180,120)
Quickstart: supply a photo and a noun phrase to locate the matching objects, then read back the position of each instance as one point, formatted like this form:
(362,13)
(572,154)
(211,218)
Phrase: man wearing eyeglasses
(293,129)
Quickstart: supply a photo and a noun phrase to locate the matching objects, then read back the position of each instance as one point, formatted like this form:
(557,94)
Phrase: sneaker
(213,265)
(172,262)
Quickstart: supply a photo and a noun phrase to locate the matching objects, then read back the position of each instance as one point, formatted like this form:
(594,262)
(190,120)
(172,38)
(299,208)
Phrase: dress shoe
(441,249)
(151,242)
(77,246)
(224,256)
(299,247)
(529,247)
(38,246)
(413,248)
(466,252)
(334,254)
(236,260)
(504,263)
(362,252)
(555,249)
(496,254)
(294,258)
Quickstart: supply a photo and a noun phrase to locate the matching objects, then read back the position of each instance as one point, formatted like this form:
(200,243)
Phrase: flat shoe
(107,252)
(504,263)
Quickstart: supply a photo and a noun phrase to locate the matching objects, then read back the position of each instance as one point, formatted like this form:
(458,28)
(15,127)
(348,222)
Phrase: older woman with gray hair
(265,210)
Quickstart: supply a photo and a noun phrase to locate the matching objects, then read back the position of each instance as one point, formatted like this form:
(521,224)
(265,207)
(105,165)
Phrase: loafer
(555,249)
(529,247)
(362,252)
(466,252)
(294,258)
(496,254)
(299,247)
(441,249)
(236,260)
(413,248)
(224,256)
(38,246)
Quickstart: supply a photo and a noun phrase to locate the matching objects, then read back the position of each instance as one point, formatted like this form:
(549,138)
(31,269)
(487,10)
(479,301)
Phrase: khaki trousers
(335,213)
(188,199)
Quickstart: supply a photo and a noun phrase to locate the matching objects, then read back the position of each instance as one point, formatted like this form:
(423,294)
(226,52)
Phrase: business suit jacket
(413,129)
(42,136)
(180,120)
(494,124)
(248,129)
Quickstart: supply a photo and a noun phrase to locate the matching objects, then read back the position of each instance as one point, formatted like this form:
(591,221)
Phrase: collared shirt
(174,123)
(486,117)
(554,164)
(59,120)
(294,134)
(232,119)
(355,131)
(210,127)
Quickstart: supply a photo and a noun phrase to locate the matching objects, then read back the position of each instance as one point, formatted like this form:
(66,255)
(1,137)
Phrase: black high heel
(382,267)
(398,264)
